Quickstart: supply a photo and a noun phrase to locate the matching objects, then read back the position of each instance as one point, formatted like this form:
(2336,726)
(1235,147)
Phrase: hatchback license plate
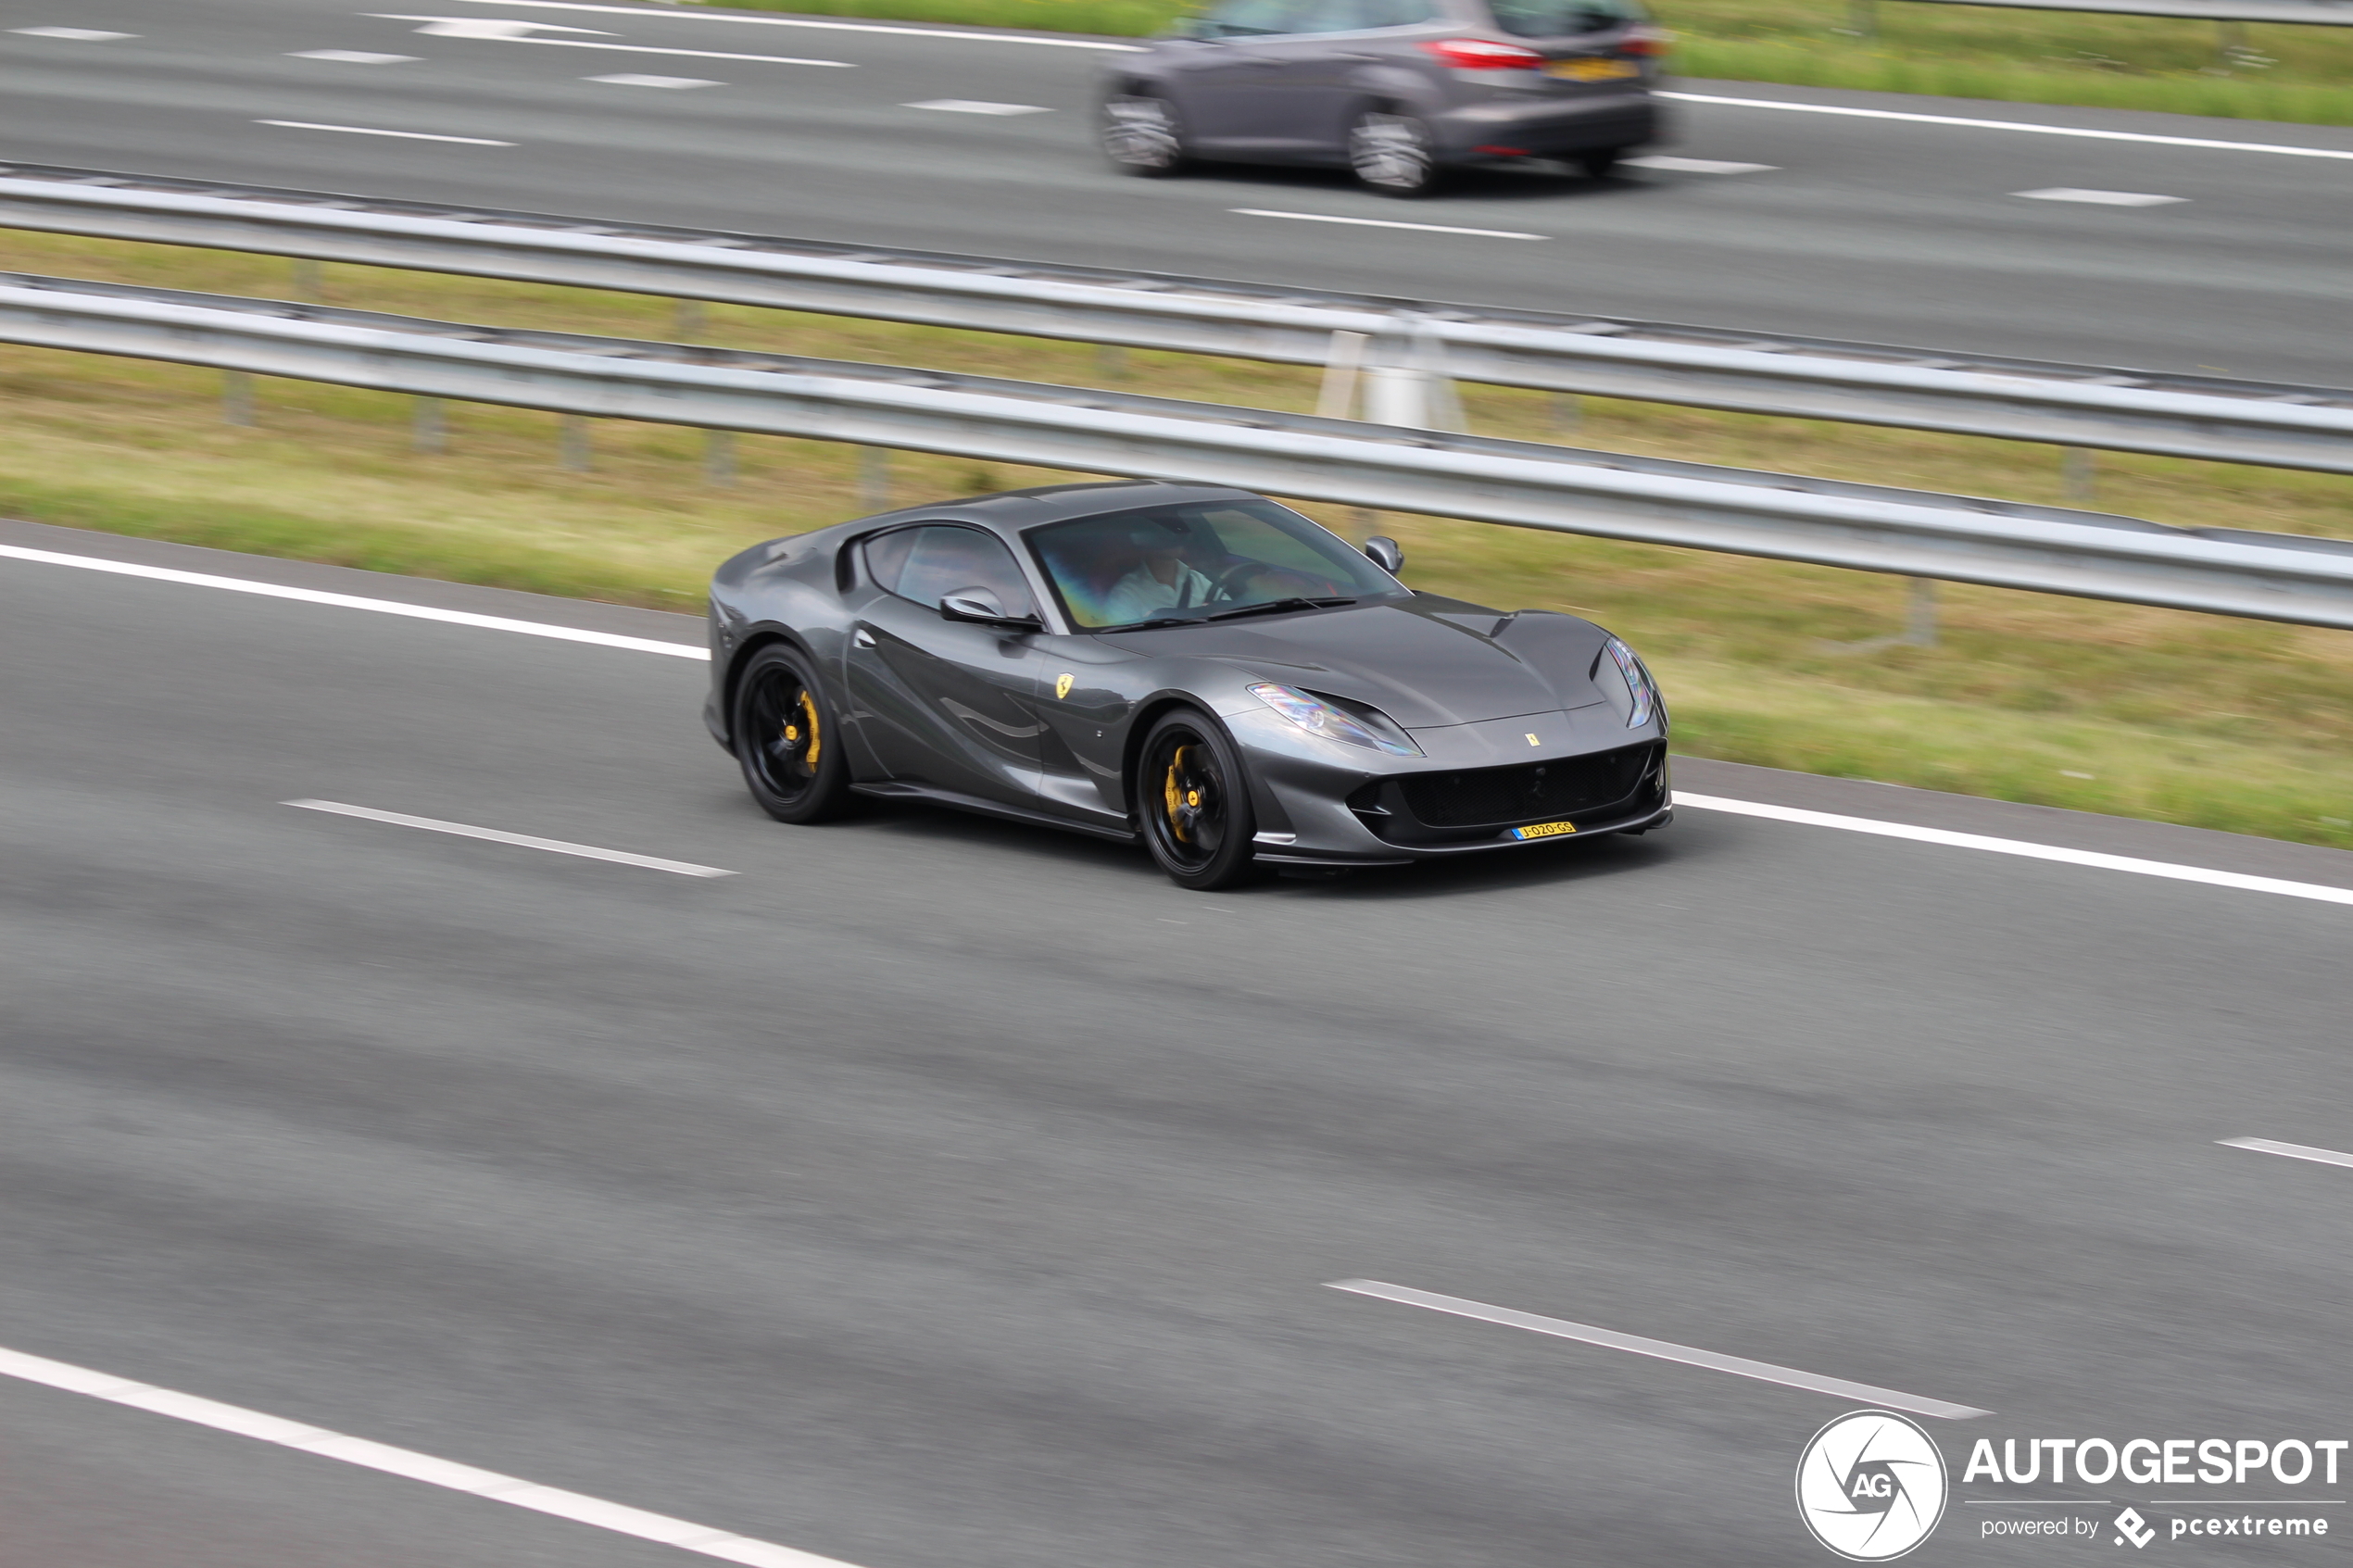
(1593,69)
(1544,830)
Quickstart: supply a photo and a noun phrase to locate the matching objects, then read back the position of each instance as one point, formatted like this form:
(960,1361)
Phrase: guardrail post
(306,279)
(1341,362)
(2082,476)
(874,478)
(236,398)
(428,430)
(572,442)
(1569,413)
(1919,622)
(686,320)
(719,459)
(1111,361)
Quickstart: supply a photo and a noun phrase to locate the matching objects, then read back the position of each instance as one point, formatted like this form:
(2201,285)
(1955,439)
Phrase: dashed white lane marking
(74,35)
(2085,132)
(1388,224)
(409,1464)
(1696,165)
(353,56)
(627,78)
(553,846)
(353,601)
(2092,857)
(2098,198)
(974,106)
(495,30)
(372,130)
(2289,1150)
(1739,1366)
(966,35)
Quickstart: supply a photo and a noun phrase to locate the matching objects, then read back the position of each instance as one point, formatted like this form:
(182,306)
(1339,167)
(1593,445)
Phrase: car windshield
(1561,18)
(1164,565)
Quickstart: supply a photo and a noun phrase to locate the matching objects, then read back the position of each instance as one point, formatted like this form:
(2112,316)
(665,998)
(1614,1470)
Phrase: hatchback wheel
(1394,154)
(1599,163)
(1140,135)
(787,740)
(1195,803)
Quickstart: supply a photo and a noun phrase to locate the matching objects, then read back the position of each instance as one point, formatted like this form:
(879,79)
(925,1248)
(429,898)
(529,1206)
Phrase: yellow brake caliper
(816,741)
(1177,799)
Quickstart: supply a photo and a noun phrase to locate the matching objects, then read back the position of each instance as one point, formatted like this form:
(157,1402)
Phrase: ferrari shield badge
(1063,684)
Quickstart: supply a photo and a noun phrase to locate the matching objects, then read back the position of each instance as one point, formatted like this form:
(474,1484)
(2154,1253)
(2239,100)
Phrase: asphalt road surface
(1886,231)
(940,1194)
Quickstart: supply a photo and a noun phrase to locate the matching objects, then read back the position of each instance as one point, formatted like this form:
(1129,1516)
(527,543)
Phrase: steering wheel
(1226,582)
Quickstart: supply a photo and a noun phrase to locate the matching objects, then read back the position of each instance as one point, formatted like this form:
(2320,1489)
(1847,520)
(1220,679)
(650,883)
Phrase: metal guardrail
(2319,13)
(1525,485)
(1403,341)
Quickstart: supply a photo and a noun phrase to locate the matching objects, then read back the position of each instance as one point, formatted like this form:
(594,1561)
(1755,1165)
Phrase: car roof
(1012,512)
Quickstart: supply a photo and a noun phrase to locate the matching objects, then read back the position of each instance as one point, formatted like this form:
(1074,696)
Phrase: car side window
(1245,18)
(1362,16)
(926,563)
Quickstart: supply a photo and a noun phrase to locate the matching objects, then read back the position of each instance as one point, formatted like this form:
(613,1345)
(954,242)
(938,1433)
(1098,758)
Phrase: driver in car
(1161,580)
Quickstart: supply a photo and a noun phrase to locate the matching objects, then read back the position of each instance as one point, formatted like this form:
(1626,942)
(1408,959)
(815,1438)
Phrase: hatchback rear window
(1561,19)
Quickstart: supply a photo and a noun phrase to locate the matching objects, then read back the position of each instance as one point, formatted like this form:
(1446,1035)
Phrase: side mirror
(981,607)
(1385,554)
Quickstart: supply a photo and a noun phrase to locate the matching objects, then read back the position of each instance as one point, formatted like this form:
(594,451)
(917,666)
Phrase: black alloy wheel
(787,740)
(1140,135)
(1195,803)
(1394,154)
(1599,163)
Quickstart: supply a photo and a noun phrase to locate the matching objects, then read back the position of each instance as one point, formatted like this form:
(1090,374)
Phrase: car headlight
(1323,717)
(1639,697)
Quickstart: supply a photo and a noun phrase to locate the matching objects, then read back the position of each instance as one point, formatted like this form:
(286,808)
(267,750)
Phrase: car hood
(1424,662)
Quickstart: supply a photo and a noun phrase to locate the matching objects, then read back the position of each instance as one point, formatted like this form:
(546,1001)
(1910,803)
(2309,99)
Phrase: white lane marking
(513,32)
(353,601)
(974,106)
(2009,125)
(1388,224)
(969,36)
(2167,868)
(2289,1150)
(408,1463)
(553,846)
(1739,1366)
(77,34)
(1696,165)
(2098,198)
(353,56)
(371,130)
(627,78)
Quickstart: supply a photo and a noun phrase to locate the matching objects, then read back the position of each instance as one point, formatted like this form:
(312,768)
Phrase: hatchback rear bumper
(1545,127)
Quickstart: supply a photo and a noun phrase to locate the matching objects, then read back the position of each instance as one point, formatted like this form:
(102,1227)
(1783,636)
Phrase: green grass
(2245,726)
(2262,71)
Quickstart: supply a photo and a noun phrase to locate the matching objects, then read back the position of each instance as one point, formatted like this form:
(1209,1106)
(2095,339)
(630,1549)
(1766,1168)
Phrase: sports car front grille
(1500,797)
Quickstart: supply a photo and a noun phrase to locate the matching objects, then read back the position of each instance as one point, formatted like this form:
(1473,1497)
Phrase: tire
(1194,799)
(787,740)
(1599,163)
(1394,154)
(1140,135)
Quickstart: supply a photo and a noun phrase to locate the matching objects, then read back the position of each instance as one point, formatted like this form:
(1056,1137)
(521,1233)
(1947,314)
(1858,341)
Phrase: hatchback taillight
(1646,41)
(1484,54)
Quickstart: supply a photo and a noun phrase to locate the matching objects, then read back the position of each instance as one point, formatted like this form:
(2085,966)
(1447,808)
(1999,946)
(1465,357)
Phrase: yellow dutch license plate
(1544,830)
(1593,69)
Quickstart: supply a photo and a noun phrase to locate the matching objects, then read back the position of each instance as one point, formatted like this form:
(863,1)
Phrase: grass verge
(2239,725)
(2272,71)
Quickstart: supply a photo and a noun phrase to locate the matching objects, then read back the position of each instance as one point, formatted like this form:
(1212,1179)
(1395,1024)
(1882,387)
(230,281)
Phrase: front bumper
(1320,803)
(1542,127)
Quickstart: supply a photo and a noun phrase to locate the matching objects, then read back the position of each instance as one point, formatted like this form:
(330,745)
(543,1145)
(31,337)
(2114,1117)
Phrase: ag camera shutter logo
(1871,1485)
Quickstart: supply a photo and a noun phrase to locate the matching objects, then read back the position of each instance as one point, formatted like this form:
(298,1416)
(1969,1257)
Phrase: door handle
(864,638)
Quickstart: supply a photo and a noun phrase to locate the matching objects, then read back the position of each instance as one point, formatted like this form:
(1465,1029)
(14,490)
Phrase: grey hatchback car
(1399,91)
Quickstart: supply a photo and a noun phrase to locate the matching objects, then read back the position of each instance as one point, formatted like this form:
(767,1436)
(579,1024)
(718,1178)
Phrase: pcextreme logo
(1871,1485)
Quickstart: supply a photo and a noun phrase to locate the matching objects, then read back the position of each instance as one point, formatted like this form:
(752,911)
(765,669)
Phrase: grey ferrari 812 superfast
(1200,668)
